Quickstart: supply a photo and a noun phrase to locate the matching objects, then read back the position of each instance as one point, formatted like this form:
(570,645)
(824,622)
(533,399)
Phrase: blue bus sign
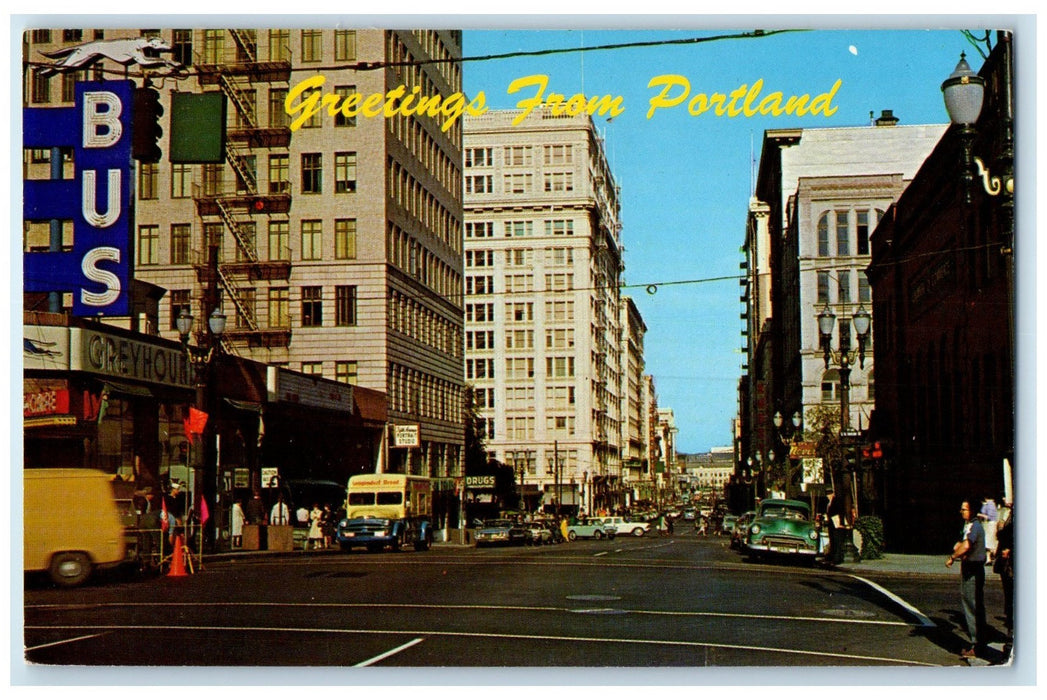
(98,269)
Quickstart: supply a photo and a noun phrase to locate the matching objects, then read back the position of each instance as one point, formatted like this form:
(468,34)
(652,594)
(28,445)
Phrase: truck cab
(386,510)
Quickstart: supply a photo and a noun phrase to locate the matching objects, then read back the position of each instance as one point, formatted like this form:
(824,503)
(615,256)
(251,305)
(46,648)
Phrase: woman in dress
(238,524)
(316,535)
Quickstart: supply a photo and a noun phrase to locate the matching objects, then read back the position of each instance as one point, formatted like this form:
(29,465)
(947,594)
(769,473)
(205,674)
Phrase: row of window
(520,257)
(552,154)
(277,305)
(411,74)
(520,339)
(552,182)
(843,283)
(561,367)
(345,371)
(418,321)
(312,242)
(407,253)
(846,232)
(516,229)
(422,205)
(420,394)
(421,144)
(519,283)
(557,311)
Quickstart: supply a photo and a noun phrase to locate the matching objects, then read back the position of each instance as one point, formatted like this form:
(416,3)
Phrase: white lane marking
(600,554)
(495,635)
(507,608)
(924,620)
(65,641)
(391,652)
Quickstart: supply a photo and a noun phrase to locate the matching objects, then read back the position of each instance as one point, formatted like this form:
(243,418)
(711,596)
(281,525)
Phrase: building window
(315,369)
(517,183)
(479,184)
(843,234)
(517,155)
(312,45)
(182,46)
(518,228)
(346,372)
(559,182)
(69,81)
(870,391)
(148,245)
(41,36)
(344,45)
(823,236)
(823,287)
(479,229)
(312,306)
(478,157)
(863,233)
(345,305)
(559,227)
(41,88)
(279,44)
(147,181)
(214,42)
(864,289)
(345,172)
(343,91)
(557,154)
(279,307)
(180,244)
(830,385)
(278,174)
(312,173)
(345,239)
(181,181)
(278,116)
(179,303)
(843,286)
(312,239)
(279,240)
(212,180)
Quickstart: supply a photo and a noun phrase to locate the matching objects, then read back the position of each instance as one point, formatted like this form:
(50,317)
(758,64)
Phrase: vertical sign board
(97,200)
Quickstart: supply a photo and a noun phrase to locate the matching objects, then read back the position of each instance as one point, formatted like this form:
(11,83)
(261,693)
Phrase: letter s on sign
(103,277)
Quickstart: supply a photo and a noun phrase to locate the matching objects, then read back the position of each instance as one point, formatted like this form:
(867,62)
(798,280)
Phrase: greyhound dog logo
(142,51)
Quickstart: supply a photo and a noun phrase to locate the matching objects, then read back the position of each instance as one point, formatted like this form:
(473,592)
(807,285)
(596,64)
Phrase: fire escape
(240,204)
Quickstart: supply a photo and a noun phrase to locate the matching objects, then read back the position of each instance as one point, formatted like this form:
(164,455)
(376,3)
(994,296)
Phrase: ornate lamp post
(200,360)
(786,436)
(844,357)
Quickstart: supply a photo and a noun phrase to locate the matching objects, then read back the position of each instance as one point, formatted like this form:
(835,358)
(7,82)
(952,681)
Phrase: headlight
(379,533)
(813,534)
(754,529)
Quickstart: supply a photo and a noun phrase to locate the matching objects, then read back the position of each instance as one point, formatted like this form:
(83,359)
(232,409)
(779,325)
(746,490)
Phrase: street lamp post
(200,358)
(844,357)
(786,437)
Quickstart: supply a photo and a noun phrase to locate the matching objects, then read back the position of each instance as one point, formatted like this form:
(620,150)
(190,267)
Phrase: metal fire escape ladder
(233,292)
(234,93)
(244,44)
(233,225)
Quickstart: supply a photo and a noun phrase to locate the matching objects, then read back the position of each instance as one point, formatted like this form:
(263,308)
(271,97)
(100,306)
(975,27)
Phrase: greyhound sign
(142,51)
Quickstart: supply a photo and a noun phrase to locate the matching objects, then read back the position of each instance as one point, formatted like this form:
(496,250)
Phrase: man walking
(970,550)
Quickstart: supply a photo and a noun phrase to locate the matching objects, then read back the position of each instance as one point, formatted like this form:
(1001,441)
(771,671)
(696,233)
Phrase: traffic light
(145,128)
(850,459)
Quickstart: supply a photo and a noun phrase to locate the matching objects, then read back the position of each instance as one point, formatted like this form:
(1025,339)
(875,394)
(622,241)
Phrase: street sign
(479,482)
(270,477)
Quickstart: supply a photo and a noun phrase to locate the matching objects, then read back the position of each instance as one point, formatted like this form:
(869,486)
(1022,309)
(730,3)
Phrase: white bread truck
(387,510)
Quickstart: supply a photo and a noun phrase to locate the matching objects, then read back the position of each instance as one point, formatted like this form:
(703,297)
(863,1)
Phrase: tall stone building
(543,261)
(819,195)
(633,412)
(333,247)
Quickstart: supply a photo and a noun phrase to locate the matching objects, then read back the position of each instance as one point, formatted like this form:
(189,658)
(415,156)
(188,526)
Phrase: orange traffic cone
(178,558)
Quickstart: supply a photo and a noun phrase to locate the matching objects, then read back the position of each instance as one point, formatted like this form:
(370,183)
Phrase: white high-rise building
(542,322)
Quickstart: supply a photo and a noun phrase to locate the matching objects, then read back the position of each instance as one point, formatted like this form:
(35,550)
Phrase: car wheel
(572,535)
(599,535)
(638,532)
(70,568)
(610,535)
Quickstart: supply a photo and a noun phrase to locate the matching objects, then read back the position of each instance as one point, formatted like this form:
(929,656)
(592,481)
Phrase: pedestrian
(1003,564)
(703,525)
(174,502)
(970,550)
(237,529)
(669,525)
(316,535)
(301,516)
(987,514)
(327,525)
(834,516)
(280,514)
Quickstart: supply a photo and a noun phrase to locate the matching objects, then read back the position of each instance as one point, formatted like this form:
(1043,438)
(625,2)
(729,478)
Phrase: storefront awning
(252,406)
(126,389)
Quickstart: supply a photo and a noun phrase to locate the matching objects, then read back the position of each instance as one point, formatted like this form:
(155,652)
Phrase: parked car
(782,526)
(741,527)
(501,532)
(538,533)
(589,529)
(624,526)
(689,513)
(727,525)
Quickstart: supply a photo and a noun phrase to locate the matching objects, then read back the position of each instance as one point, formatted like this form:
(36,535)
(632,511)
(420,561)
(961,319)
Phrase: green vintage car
(782,527)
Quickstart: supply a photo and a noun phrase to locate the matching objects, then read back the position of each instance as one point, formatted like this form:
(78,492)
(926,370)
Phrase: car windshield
(784,511)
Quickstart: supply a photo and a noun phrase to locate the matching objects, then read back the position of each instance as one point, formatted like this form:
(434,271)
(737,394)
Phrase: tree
(475,435)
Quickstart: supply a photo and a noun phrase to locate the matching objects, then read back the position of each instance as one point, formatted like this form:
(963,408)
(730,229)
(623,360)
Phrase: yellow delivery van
(71,523)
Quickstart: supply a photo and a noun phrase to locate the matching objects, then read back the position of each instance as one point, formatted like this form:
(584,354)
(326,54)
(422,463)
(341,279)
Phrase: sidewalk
(908,565)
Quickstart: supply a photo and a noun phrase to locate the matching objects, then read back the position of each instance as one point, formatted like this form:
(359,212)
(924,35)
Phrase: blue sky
(686,180)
